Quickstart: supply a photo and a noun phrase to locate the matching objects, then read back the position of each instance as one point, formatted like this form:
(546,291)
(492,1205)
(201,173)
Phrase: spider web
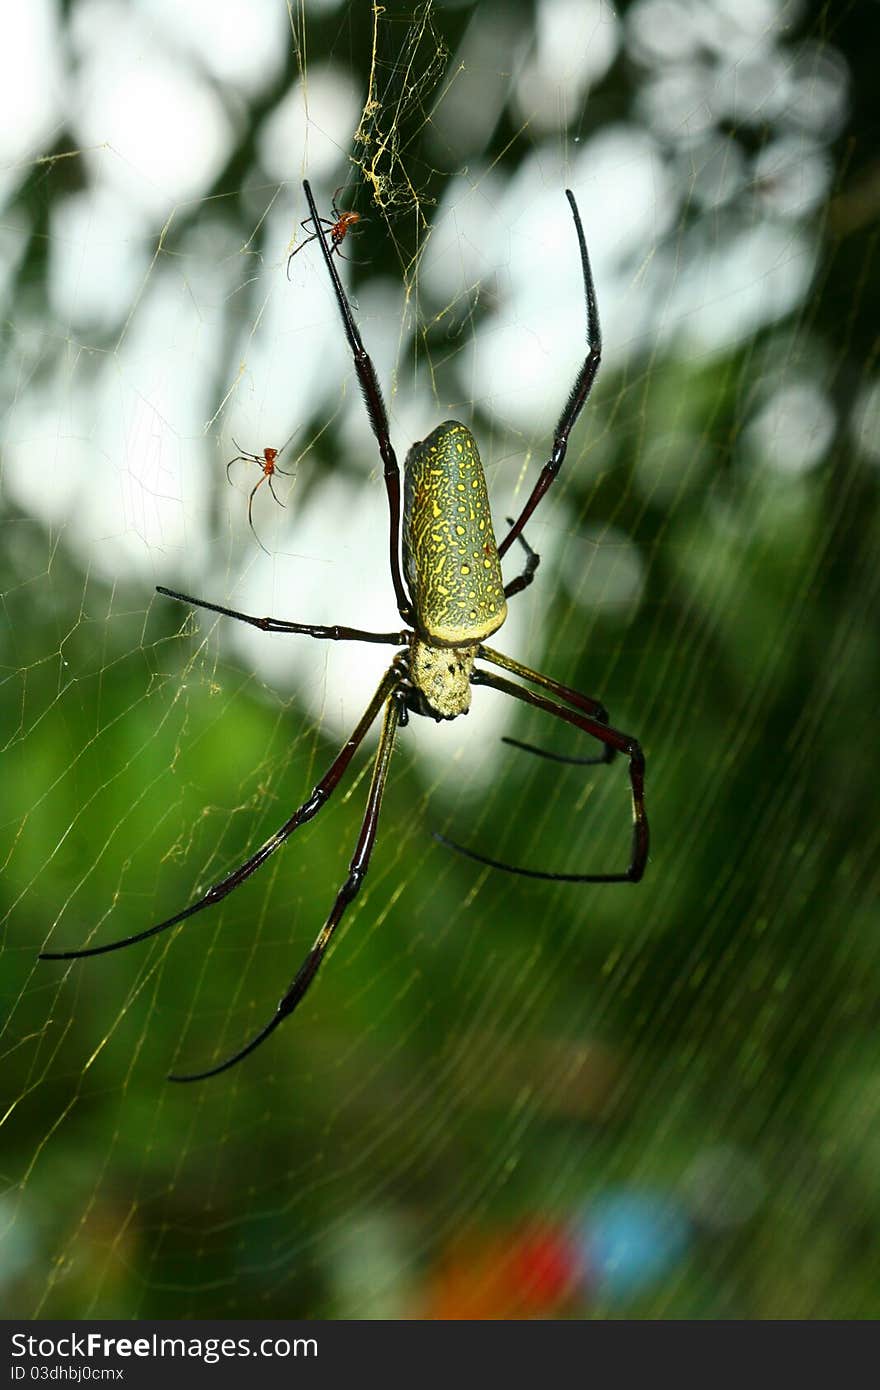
(483,1056)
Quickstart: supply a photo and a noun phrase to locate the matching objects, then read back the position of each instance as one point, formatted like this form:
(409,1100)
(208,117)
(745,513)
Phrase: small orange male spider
(269,467)
(340,225)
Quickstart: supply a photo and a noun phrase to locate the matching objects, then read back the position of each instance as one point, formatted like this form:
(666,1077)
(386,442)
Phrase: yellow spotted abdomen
(449,553)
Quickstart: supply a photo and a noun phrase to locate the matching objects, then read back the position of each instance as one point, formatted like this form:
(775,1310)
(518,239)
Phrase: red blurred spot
(526,1274)
(546,1265)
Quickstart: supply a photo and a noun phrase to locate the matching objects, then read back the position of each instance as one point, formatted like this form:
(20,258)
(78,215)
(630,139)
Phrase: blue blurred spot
(630,1239)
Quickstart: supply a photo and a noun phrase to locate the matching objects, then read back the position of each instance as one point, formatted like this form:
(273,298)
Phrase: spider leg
(604,757)
(272,490)
(357,871)
(565,692)
(301,815)
(254,491)
(573,697)
(302,245)
(305,224)
(614,738)
(239,458)
(516,586)
(533,560)
(372,394)
(579,392)
(327,634)
(245,454)
(334,203)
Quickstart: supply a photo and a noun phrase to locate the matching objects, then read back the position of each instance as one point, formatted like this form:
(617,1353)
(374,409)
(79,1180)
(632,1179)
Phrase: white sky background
(132,442)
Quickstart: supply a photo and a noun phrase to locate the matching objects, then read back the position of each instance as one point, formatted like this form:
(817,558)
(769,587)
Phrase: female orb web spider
(451,596)
(269,468)
(339,227)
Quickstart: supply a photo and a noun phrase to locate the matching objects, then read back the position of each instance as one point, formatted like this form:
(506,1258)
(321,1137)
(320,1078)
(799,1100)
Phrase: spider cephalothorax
(441,679)
(451,595)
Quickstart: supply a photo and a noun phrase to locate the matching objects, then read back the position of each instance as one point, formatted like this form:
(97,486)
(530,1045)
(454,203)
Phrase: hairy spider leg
(579,392)
(372,394)
(333,633)
(310,808)
(620,742)
(357,871)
